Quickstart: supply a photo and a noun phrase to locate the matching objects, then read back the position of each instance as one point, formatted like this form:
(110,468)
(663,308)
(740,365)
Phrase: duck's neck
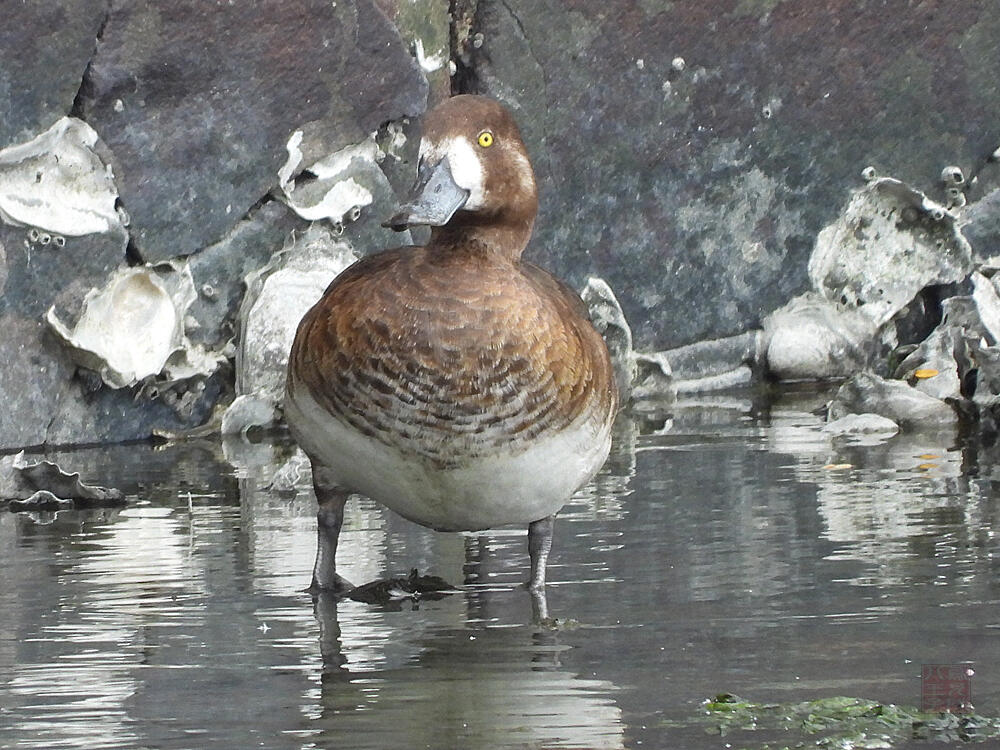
(498,238)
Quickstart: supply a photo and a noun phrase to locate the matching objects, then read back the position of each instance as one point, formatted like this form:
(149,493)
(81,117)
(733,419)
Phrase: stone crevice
(86,86)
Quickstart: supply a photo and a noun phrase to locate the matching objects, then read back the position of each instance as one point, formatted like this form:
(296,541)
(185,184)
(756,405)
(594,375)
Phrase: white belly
(524,484)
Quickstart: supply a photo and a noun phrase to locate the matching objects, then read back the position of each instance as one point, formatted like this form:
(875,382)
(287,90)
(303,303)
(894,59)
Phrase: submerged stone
(867,393)
(862,424)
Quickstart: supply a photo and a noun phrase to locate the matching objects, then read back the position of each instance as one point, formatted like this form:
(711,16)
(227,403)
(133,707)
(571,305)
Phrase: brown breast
(448,356)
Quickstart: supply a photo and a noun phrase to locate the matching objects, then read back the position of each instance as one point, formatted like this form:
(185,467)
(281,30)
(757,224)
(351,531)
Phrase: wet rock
(31,380)
(346,187)
(984,379)
(3,268)
(862,424)
(866,393)
(933,367)
(987,302)
(425,26)
(219,89)
(700,188)
(958,360)
(41,483)
(248,411)
(87,412)
(44,50)
(41,500)
(814,338)
(654,378)
(44,270)
(331,190)
(277,298)
(702,367)
(868,269)
(715,365)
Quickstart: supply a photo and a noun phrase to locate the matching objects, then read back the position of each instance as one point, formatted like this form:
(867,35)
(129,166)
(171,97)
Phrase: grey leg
(539,545)
(329,520)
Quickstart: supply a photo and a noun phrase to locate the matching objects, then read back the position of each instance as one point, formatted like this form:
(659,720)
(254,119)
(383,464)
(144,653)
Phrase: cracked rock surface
(197,102)
(689,153)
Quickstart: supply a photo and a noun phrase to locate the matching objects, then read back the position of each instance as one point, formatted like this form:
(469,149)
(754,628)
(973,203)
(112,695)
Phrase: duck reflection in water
(454,383)
(462,687)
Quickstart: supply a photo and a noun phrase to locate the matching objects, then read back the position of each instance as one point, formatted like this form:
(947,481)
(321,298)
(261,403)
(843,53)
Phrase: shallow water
(725,547)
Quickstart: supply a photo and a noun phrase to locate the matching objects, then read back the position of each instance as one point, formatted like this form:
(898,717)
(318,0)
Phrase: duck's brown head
(474,177)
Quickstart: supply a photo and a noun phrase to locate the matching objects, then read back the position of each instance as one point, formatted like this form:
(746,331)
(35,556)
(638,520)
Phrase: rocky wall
(690,152)
(160,161)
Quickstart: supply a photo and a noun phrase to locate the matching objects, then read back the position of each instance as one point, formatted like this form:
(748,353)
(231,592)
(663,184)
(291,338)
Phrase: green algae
(837,723)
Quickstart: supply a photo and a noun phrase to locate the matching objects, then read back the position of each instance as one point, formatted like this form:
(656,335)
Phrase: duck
(455,383)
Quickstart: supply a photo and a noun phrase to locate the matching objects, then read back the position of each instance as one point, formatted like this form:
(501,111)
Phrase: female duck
(454,383)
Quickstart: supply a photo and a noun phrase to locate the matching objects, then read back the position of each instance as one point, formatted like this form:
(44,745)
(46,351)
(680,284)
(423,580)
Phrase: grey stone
(197,101)
(50,477)
(609,320)
(696,193)
(39,277)
(654,380)
(45,46)
(425,26)
(3,268)
(31,380)
(703,367)
(890,242)
(716,357)
(814,338)
(863,424)
(277,298)
(84,413)
(219,270)
(962,311)
(986,386)
(867,393)
(932,367)
(248,411)
(41,500)
(987,301)
(737,377)
(348,187)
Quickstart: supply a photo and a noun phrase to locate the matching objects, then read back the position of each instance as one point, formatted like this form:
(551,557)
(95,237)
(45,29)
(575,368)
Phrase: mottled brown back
(452,354)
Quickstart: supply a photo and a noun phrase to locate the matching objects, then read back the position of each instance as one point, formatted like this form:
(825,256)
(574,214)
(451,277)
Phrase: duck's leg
(539,546)
(329,520)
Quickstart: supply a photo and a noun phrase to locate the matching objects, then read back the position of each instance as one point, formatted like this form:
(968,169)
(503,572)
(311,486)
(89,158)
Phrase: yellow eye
(485,139)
